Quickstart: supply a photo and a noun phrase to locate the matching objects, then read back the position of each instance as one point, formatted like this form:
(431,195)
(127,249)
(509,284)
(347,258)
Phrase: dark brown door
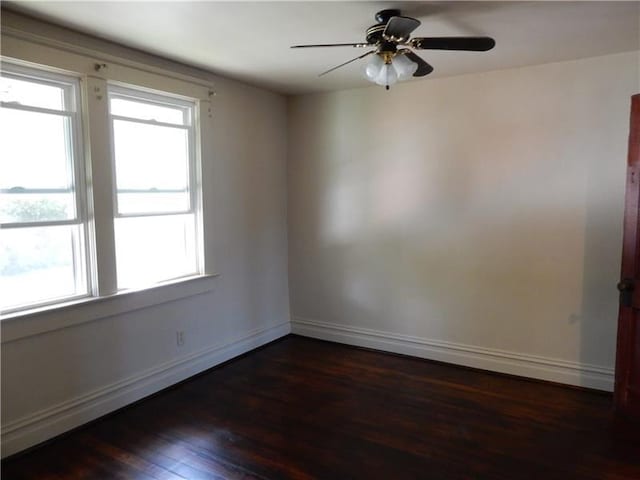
(627,387)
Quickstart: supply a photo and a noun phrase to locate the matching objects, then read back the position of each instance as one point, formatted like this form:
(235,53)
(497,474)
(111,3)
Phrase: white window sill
(27,323)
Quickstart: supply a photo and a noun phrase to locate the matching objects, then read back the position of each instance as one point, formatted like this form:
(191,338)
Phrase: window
(53,236)
(155,202)
(43,254)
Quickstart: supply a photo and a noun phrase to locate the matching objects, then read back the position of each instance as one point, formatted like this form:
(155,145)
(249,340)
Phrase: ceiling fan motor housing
(375,32)
(383,16)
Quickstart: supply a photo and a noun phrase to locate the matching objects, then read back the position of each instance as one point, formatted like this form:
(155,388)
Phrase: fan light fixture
(389,64)
(387,68)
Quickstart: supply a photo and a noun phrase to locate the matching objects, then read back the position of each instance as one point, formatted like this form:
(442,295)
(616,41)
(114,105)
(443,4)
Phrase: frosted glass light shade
(374,65)
(404,67)
(387,75)
(400,68)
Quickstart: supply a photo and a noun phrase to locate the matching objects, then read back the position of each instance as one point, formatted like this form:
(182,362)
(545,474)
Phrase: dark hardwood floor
(303,409)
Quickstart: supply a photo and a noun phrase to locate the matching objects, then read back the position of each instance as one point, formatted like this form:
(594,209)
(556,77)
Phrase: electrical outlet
(180,338)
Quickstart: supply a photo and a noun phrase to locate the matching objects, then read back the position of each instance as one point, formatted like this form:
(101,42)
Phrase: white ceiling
(250,40)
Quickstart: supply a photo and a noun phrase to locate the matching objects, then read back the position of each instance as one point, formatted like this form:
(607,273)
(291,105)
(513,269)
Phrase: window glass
(22,206)
(147,111)
(152,202)
(38,264)
(35,151)
(150,156)
(152,249)
(31,93)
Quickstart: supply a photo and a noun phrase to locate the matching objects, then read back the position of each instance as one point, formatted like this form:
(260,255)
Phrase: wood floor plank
(305,409)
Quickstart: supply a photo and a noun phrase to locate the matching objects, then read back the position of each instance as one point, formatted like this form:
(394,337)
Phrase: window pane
(35,150)
(39,264)
(150,156)
(153,249)
(31,94)
(147,111)
(36,207)
(152,202)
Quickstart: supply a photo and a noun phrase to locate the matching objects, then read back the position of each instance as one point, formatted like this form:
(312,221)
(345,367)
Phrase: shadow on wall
(439,241)
(486,216)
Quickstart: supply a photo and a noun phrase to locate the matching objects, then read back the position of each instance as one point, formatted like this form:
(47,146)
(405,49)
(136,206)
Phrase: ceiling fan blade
(400,27)
(347,63)
(473,44)
(423,67)
(357,45)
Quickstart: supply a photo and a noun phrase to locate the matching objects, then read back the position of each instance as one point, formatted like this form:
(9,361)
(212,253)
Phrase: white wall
(473,219)
(57,380)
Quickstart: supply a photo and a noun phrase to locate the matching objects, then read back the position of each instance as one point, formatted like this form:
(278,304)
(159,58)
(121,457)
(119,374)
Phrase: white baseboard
(47,423)
(513,363)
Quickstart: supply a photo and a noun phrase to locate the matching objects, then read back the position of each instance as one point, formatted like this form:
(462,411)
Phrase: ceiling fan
(393,58)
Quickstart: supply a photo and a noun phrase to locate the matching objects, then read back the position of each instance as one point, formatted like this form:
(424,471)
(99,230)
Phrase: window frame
(189,108)
(76,177)
(93,165)
(142,96)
